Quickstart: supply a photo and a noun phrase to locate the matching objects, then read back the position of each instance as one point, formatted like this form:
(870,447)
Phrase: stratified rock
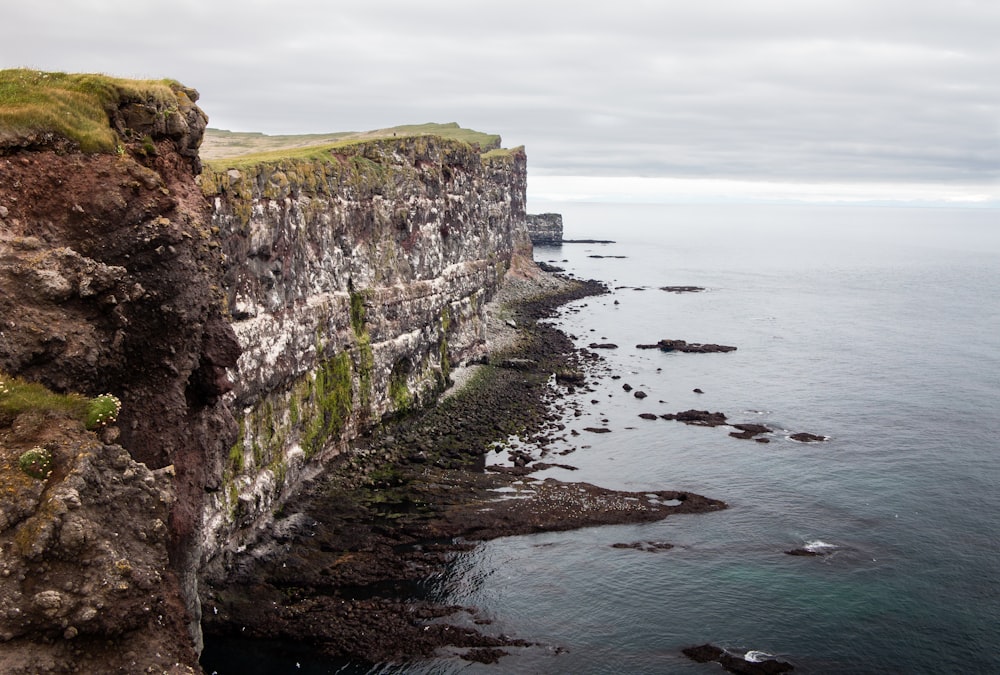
(545,229)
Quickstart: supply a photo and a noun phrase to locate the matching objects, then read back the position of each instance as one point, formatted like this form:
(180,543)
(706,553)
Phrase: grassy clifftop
(78,107)
(221,145)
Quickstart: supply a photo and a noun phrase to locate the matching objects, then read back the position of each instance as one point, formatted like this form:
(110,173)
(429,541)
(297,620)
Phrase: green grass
(223,150)
(74,106)
(19,396)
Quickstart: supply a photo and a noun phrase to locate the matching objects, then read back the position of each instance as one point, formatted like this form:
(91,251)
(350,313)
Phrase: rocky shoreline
(342,568)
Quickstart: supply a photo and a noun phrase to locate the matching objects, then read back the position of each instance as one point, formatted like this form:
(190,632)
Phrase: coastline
(343,562)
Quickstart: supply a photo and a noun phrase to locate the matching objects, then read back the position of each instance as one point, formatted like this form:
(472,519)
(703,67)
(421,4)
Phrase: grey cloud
(780,89)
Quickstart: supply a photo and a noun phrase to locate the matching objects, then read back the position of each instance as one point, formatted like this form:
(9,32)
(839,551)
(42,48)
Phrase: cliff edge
(107,271)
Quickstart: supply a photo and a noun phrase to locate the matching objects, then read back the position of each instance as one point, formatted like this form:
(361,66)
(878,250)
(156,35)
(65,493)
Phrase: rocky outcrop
(86,580)
(545,229)
(111,281)
(355,280)
(666,345)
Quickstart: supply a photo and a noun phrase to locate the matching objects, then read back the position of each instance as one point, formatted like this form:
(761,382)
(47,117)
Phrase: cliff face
(107,271)
(253,321)
(355,279)
(545,229)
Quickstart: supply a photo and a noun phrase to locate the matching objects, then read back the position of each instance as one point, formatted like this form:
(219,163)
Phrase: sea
(876,327)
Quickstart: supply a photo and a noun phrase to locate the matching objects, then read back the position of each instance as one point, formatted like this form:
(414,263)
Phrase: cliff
(111,283)
(356,276)
(545,229)
(253,321)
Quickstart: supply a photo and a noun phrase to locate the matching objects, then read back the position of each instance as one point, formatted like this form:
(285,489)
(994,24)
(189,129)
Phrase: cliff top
(220,144)
(37,108)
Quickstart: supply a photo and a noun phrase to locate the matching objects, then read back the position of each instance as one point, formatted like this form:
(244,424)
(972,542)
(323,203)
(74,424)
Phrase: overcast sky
(877,93)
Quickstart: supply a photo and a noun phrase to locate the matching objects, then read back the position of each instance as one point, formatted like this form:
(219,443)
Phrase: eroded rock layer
(355,279)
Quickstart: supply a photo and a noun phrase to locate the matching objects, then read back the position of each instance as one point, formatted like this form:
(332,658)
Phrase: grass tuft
(74,106)
(18,396)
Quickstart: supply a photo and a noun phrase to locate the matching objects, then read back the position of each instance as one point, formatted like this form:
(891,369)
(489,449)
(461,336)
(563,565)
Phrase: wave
(818,546)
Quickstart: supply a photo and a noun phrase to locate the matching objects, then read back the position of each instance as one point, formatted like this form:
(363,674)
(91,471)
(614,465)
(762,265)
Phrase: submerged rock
(805,437)
(752,663)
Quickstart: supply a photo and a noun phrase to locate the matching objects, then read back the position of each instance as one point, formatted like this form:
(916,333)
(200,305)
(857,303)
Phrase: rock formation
(355,280)
(252,321)
(545,229)
(112,282)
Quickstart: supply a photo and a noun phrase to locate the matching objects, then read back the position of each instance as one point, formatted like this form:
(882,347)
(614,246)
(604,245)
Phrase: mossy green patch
(36,462)
(330,404)
(20,396)
(399,393)
(74,106)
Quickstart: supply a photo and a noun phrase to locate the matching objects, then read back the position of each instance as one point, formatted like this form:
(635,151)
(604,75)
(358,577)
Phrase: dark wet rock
(697,391)
(690,347)
(522,470)
(627,387)
(804,437)
(681,289)
(552,269)
(607,256)
(649,546)
(483,655)
(762,440)
(542,466)
(805,552)
(603,345)
(567,376)
(588,241)
(747,431)
(597,430)
(639,394)
(518,364)
(736,664)
(648,416)
(700,418)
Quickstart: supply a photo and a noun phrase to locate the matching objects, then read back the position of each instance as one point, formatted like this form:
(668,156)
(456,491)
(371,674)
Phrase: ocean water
(876,327)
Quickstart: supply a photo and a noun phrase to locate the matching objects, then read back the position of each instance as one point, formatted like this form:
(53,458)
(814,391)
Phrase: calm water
(877,327)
